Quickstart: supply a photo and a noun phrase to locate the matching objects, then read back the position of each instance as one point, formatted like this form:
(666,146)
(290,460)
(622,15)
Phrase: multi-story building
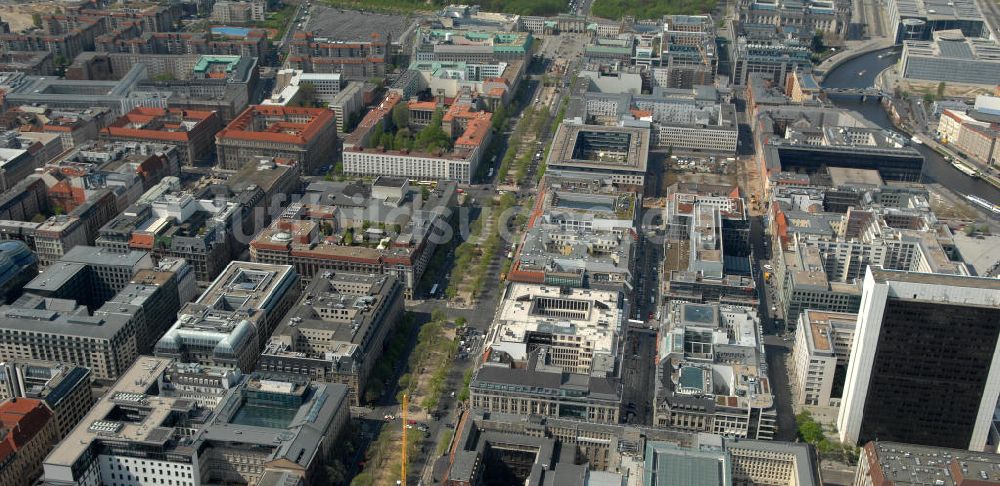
(356,60)
(64,388)
(978,139)
(117,96)
(919,19)
(28,433)
(828,17)
(545,341)
(166,422)
(705,230)
(823,255)
(809,139)
(306,136)
(201,231)
(347,104)
(193,132)
(883,463)
(712,375)
(53,329)
(18,266)
(776,60)
(581,234)
(293,86)
(687,52)
(819,357)
(468,127)
(337,334)
(913,329)
(580,452)
(152,299)
(471,46)
(384,228)
(239,12)
(951,57)
(109,272)
(604,151)
(231,322)
(697,119)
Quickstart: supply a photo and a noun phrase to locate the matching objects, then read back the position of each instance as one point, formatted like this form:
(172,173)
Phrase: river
(936,169)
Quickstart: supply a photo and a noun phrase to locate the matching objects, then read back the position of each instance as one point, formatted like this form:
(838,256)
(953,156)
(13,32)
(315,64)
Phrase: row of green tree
(649,9)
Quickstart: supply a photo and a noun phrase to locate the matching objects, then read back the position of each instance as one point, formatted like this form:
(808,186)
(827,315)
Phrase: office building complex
(107,273)
(295,87)
(52,329)
(27,432)
(824,252)
(774,60)
(918,19)
(472,46)
(603,151)
(176,224)
(18,266)
(117,96)
(303,135)
(820,355)
(696,118)
(64,388)
(338,332)
(582,234)
(708,245)
(883,463)
(355,59)
(193,132)
(808,139)
(383,228)
(913,329)
(231,322)
(539,450)
(546,341)
(952,57)
(711,375)
(166,422)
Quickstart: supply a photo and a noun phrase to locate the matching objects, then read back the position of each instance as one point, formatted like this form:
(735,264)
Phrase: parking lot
(350,25)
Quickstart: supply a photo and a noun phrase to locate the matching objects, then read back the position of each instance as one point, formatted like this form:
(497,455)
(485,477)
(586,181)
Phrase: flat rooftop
(600,148)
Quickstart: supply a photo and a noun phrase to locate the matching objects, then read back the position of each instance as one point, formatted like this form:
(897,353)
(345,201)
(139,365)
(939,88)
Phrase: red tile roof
(279,131)
(23,418)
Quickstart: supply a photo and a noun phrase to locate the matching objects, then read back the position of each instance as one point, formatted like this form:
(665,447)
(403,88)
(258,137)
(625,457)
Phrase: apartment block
(465,122)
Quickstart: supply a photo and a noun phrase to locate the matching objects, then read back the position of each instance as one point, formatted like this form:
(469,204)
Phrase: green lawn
(649,9)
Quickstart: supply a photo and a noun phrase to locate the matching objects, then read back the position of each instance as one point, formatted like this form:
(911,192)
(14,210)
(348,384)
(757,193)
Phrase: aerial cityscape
(520,242)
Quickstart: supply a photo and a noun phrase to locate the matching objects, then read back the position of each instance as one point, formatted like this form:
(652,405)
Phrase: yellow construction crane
(406,407)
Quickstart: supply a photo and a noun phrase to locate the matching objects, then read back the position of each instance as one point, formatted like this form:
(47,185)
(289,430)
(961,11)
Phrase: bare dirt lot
(18,15)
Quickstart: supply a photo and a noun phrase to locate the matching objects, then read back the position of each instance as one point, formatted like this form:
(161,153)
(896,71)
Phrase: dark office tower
(924,367)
